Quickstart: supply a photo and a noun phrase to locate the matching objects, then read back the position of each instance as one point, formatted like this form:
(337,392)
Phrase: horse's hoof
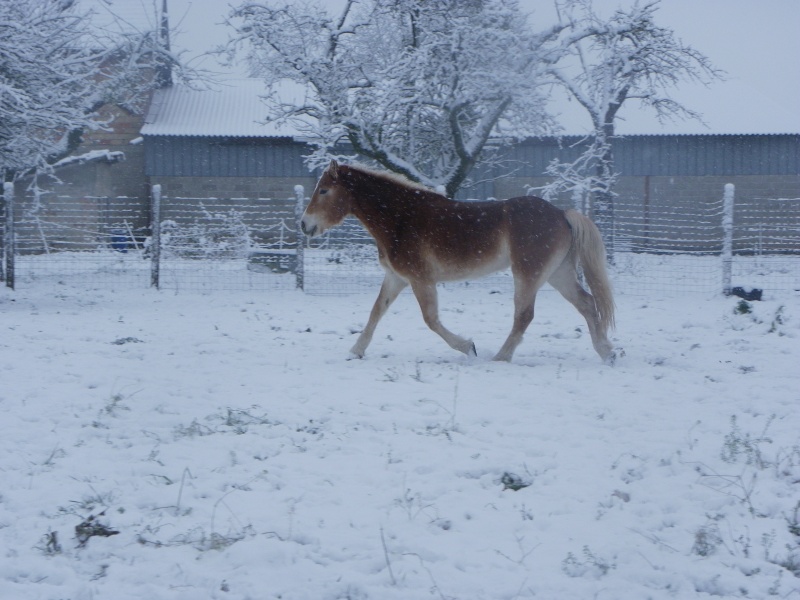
(472,350)
(611,359)
(355,355)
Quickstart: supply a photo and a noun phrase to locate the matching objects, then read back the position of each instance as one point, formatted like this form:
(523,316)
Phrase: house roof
(234,108)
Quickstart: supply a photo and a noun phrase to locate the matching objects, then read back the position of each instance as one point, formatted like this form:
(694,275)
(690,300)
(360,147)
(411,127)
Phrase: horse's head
(329,205)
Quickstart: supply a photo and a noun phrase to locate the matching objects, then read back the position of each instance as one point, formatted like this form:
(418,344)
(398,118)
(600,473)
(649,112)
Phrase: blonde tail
(591,254)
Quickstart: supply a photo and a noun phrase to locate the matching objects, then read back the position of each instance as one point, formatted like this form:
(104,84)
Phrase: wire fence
(661,247)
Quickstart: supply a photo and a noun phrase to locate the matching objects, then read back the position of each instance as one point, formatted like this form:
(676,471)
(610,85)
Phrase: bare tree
(627,58)
(417,87)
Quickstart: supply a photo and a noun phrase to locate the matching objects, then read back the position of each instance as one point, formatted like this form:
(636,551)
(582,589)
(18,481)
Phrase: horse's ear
(333,169)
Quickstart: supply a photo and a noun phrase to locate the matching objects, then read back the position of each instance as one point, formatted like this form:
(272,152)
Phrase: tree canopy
(56,70)
(628,58)
(420,88)
(416,87)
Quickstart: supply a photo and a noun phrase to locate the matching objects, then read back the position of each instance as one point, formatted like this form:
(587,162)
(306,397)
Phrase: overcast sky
(757,42)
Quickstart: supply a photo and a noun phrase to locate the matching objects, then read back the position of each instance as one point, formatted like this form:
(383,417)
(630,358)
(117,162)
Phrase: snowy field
(189,446)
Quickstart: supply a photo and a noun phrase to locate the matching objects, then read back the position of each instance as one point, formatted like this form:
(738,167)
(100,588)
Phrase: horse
(424,238)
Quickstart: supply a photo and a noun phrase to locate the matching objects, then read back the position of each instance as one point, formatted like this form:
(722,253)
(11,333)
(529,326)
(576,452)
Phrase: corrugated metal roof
(234,108)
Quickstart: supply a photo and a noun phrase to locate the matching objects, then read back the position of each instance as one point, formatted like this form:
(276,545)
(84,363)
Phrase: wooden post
(155,237)
(8,233)
(727,237)
(299,209)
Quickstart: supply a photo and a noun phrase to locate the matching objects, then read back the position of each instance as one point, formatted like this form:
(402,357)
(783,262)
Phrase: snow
(238,454)
(233,108)
(93,155)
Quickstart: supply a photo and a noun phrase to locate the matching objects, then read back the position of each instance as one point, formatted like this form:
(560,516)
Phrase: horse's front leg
(390,289)
(429,304)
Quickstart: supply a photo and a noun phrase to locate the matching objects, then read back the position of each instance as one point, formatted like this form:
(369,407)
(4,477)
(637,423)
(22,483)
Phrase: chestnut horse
(424,237)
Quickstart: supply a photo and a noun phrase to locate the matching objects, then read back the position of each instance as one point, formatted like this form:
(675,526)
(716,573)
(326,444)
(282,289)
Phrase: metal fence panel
(662,246)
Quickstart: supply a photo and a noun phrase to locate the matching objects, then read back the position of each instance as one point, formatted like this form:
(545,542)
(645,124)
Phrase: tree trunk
(603,204)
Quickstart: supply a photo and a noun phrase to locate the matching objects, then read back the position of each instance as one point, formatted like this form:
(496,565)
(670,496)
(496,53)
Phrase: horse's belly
(469,265)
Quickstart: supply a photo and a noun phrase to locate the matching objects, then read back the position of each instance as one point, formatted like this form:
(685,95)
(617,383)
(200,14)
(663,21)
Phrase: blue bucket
(119,240)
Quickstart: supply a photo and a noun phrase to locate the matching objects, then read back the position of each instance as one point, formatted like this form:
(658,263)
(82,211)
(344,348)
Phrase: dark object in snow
(126,340)
(754,294)
(513,482)
(51,543)
(90,528)
(743,307)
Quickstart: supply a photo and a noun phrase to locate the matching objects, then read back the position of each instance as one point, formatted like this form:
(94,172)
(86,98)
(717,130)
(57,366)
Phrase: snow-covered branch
(612,61)
(56,69)
(416,87)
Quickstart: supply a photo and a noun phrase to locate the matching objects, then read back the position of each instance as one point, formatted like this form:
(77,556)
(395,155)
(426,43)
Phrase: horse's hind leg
(429,304)
(565,280)
(391,287)
(524,300)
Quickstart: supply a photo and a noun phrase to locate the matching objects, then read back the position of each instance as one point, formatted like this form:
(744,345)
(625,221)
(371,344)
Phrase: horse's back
(514,222)
(534,216)
(535,207)
(490,213)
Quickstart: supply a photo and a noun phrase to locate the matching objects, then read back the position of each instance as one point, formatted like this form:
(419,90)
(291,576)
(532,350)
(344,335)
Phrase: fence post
(155,238)
(727,237)
(8,233)
(299,208)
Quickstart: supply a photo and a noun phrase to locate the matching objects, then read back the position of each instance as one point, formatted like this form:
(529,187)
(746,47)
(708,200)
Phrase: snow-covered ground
(221,446)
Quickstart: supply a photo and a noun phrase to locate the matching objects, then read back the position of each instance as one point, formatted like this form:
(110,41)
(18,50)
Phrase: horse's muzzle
(309,231)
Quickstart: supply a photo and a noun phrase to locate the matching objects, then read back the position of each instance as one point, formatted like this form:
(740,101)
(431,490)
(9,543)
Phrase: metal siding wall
(251,161)
(224,161)
(208,157)
(673,155)
(193,157)
(626,156)
(773,158)
(793,155)
(687,158)
(635,156)
(706,155)
(789,148)
(735,152)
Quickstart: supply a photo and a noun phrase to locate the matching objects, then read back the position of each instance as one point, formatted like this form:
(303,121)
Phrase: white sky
(755,42)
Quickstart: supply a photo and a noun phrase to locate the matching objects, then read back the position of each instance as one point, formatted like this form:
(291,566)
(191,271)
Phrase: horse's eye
(323,192)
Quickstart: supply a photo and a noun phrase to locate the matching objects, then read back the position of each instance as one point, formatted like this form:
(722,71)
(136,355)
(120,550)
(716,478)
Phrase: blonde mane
(393,177)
